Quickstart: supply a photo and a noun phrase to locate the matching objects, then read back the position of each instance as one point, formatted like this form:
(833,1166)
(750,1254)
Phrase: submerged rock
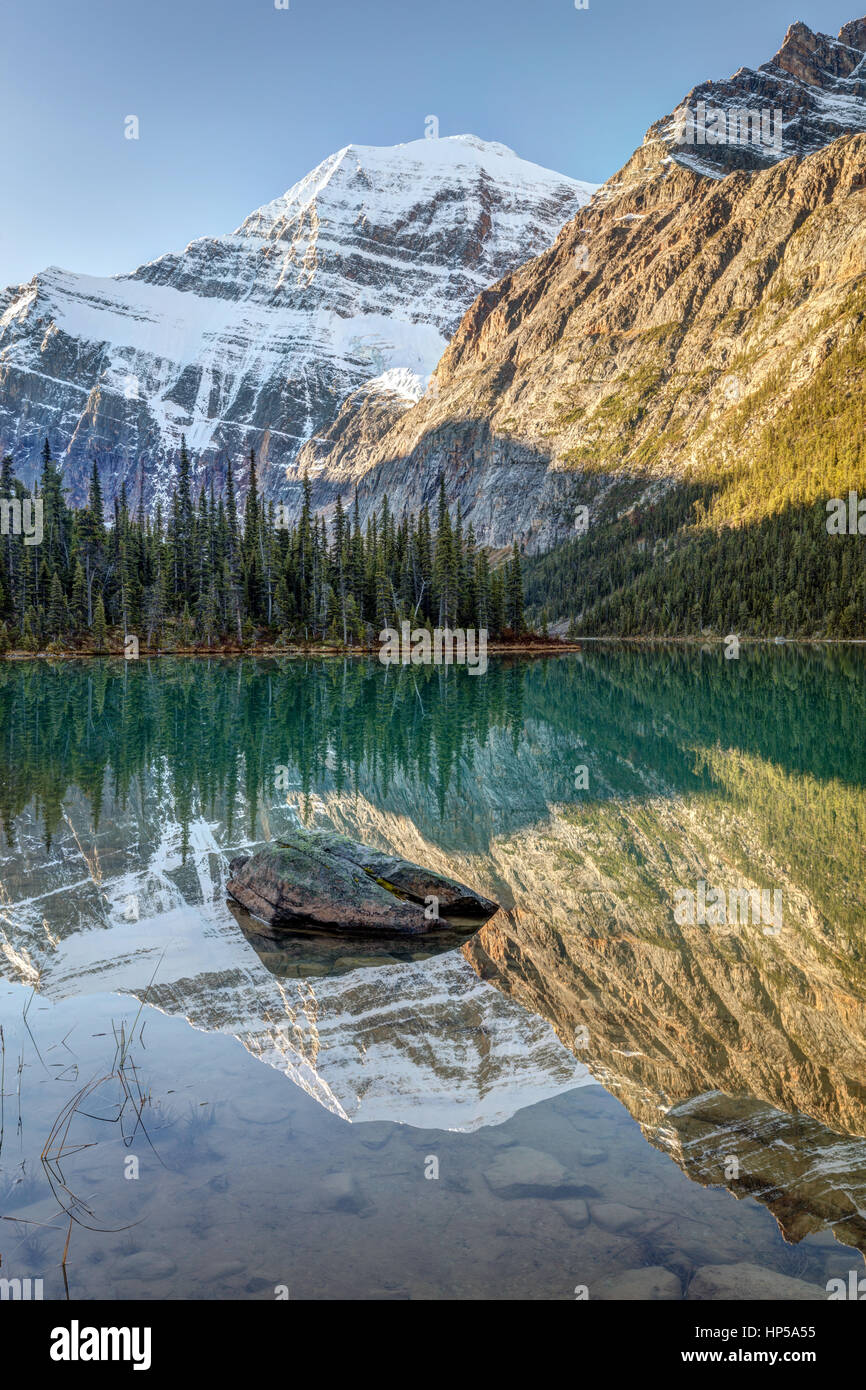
(574,1213)
(654,1284)
(323,880)
(748,1282)
(524,1172)
(614,1216)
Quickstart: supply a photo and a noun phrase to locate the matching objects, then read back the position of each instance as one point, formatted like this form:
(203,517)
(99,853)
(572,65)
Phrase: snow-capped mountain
(360,272)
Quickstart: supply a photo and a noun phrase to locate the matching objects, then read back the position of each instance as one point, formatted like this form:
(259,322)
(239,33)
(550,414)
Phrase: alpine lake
(627,1084)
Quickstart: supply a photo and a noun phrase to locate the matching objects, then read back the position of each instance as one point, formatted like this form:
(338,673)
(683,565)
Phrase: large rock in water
(321,879)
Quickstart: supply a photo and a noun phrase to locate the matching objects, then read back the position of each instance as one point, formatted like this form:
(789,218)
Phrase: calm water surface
(591,1091)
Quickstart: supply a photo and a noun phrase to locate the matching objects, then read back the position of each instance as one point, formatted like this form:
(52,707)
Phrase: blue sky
(236,99)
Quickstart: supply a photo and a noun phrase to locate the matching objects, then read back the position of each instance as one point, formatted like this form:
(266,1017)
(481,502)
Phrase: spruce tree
(56,608)
(99,625)
(514,592)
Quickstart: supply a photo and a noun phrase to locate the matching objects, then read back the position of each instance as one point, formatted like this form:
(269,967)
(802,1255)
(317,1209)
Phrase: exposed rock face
(359,272)
(336,454)
(326,880)
(817,82)
(701,297)
(676,301)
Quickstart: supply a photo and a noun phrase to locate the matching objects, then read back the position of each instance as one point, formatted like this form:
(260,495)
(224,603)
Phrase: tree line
(210,572)
(660,572)
(740,546)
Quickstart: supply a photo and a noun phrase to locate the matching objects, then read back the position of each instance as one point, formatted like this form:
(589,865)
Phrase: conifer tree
(207,577)
(514,592)
(99,625)
(56,608)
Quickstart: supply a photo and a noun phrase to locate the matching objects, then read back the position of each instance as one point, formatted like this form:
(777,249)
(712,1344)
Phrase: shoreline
(532,647)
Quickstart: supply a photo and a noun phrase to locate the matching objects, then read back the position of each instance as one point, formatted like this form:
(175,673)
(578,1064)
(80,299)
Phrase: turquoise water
(595,1092)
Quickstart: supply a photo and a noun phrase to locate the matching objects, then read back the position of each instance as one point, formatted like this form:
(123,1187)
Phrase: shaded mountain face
(676,323)
(359,272)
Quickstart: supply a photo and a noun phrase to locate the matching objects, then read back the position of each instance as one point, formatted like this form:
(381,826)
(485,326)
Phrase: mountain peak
(854,33)
(815,58)
(389,179)
(359,273)
(809,94)
(439,148)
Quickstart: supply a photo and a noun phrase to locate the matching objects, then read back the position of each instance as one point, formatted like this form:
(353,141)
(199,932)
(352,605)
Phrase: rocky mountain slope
(359,272)
(686,319)
(815,82)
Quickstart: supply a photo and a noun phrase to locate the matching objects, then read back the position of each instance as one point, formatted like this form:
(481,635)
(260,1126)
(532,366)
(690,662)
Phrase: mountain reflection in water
(126,787)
